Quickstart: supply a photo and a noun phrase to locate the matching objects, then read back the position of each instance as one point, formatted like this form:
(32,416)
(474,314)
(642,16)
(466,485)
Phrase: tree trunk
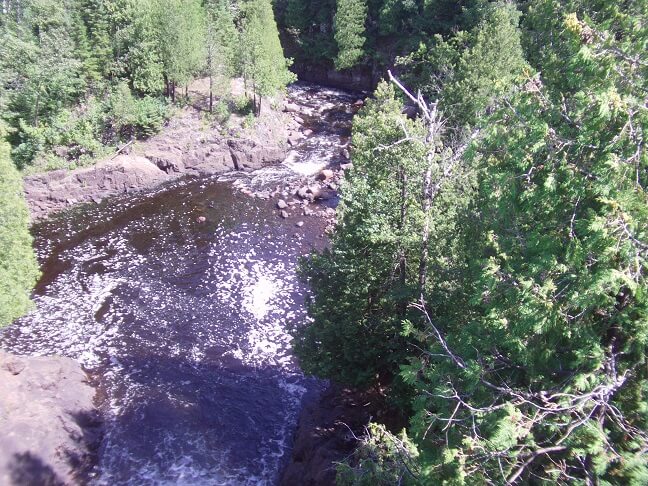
(425,232)
(211,93)
(36,108)
(402,263)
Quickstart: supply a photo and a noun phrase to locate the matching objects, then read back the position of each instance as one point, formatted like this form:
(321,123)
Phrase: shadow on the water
(216,418)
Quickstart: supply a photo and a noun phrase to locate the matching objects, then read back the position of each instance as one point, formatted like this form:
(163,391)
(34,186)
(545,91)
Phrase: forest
(487,274)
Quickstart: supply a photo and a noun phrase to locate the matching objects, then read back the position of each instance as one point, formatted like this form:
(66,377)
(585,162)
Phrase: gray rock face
(49,426)
(52,191)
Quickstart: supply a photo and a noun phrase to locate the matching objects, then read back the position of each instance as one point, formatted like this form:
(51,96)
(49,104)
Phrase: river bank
(178,302)
(192,143)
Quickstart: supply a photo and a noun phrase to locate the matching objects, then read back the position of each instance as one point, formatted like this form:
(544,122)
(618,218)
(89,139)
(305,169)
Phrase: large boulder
(50,427)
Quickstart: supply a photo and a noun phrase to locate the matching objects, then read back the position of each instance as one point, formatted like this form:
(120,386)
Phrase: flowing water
(183,327)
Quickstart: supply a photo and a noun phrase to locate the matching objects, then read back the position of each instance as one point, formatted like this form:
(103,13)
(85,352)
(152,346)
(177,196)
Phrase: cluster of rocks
(297,132)
(309,197)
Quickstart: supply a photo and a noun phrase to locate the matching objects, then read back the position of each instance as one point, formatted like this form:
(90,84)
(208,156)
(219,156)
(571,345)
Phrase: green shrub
(221,111)
(380,459)
(128,117)
(242,105)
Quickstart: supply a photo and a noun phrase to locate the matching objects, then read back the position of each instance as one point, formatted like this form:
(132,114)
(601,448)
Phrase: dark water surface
(183,326)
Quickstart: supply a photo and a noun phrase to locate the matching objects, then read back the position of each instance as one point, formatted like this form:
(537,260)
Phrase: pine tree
(262,59)
(361,284)
(180,35)
(221,50)
(18,267)
(99,20)
(350,18)
(543,376)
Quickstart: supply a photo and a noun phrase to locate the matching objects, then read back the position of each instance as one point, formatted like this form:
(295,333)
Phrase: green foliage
(39,69)
(262,59)
(488,68)
(358,293)
(470,70)
(310,26)
(529,364)
(77,137)
(381,459)
(180,38)
(129,117)
(221,47)
(18,266)
(242,105)
(550,381)
(346,33)
(350,18)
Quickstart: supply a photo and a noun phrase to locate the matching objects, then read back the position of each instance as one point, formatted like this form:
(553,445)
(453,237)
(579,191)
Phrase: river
(184,326)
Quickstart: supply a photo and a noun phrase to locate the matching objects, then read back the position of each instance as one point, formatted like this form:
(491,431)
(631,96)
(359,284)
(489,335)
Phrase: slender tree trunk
(211,93)
(430,192)
(254,98)
(36,109)
(402,264)
(173,91)
(425,232)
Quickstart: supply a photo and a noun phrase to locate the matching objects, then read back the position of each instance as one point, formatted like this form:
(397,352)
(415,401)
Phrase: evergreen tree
(262,59)
(143,61)
(400,208)
(350,18)
(100,22)
(361,284)
(180,35)
(18,267)
(471,69)
(221,50)
(543,376)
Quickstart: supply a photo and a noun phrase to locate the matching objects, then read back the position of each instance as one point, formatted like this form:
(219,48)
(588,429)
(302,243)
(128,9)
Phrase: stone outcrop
(356,79)
(49,427)
(156,163)
(326,434)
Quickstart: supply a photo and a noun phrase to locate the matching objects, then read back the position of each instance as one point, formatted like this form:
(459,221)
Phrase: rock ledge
(50,427)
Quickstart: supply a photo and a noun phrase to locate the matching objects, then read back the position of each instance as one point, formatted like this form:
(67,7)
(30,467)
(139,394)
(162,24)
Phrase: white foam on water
(258,296)
(179,312)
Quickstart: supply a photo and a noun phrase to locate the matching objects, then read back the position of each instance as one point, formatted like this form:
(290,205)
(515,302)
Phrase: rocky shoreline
(188,145)
(50,427)
(328,422)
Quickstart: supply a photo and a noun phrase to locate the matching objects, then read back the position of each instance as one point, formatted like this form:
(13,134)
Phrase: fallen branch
(120,150)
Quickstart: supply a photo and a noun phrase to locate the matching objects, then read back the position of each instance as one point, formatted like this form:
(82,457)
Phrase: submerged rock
(50,427)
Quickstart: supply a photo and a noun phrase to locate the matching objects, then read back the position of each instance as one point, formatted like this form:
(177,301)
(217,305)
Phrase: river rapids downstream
(184,327)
